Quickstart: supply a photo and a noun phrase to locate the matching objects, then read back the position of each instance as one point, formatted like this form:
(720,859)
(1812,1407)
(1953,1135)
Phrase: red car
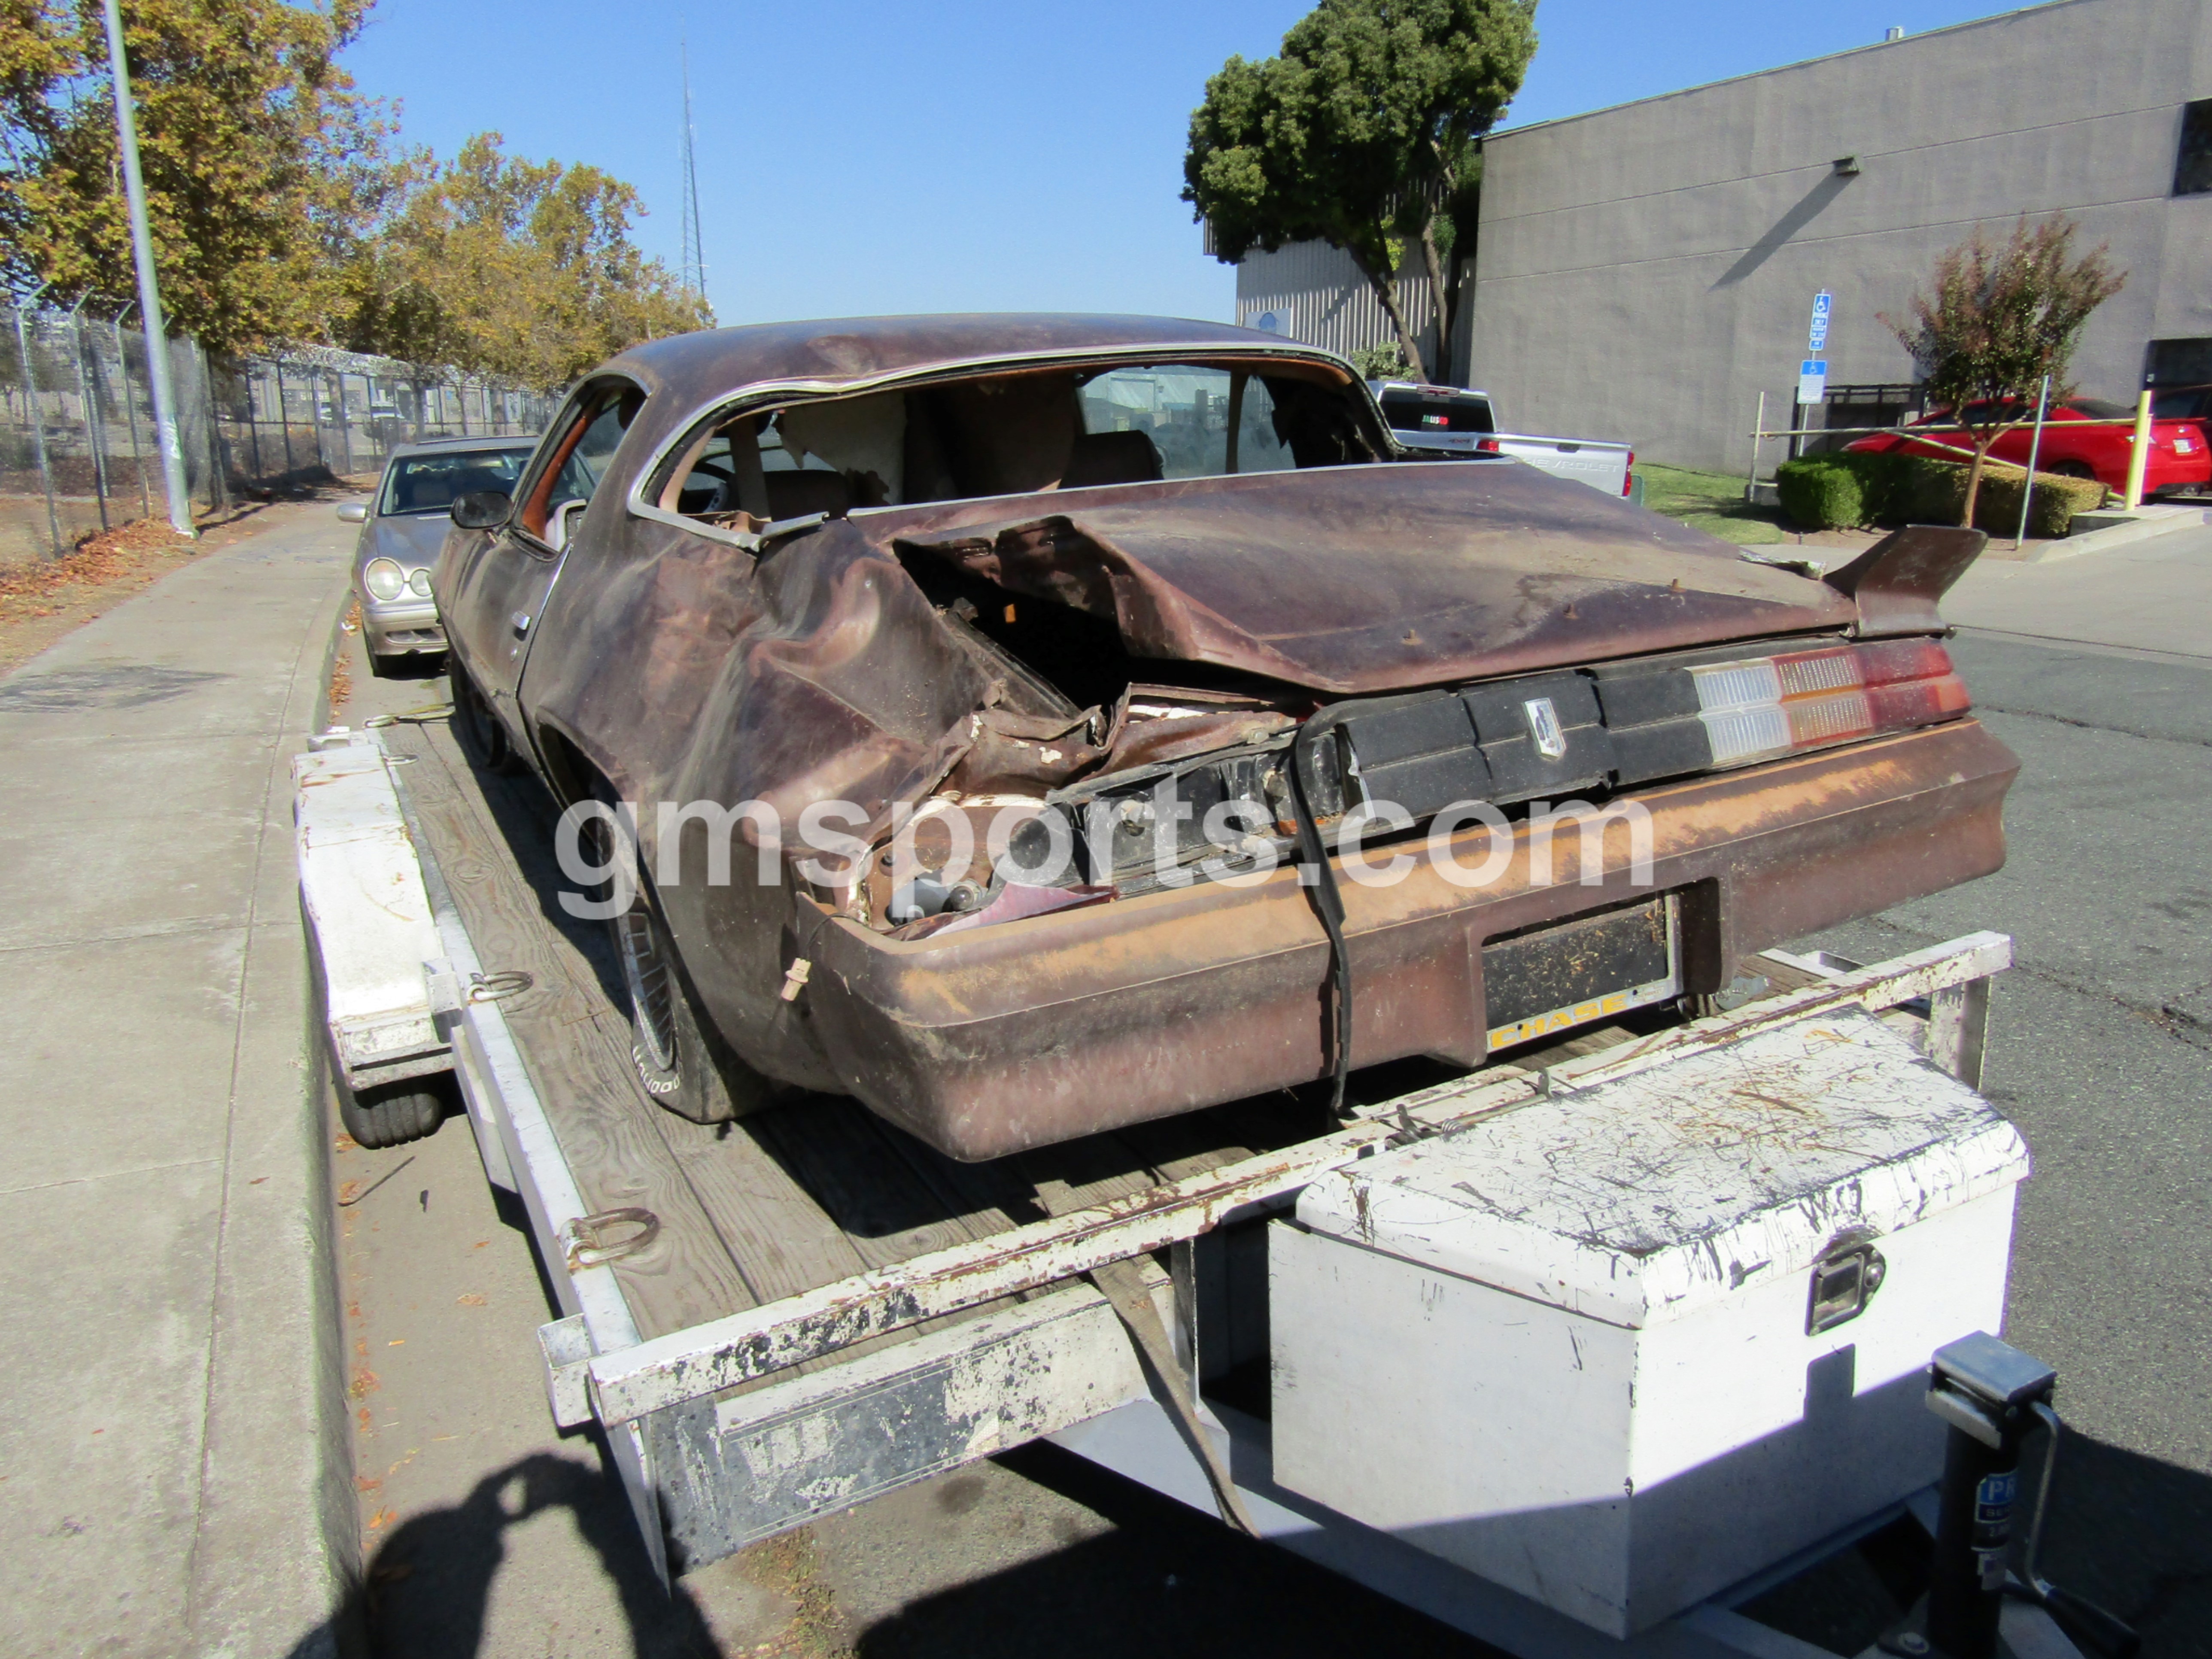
(2082,438)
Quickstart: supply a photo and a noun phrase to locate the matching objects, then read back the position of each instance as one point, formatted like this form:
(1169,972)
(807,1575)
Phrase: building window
(2192,167)
(2178,362)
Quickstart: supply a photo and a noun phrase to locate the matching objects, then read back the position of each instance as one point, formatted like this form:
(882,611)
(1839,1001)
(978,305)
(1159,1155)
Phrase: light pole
(167,440)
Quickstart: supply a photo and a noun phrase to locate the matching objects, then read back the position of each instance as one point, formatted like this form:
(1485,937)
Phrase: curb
(278,1565)
(2153,521)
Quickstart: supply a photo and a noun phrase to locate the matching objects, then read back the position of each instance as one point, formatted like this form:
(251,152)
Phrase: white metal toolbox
(1617,1349)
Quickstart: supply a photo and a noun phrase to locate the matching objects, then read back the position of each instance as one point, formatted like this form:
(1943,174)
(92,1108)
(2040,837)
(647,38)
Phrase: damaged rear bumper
(999,1039)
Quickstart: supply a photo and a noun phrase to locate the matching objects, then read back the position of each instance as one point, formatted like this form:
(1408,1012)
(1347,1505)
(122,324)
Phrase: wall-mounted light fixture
(1847,166)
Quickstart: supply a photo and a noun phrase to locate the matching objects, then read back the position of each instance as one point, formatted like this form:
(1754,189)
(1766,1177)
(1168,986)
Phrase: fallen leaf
(364,1382)
(472,1301)
(256,1181)
(382,1518)
(366,1482)
(397,1342)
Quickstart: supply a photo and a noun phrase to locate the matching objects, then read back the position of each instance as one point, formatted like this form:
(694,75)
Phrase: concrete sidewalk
(2149,595)
(173,1467)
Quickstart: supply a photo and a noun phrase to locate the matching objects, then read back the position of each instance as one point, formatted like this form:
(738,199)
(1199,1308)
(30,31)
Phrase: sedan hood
(1356,579)
(412,539)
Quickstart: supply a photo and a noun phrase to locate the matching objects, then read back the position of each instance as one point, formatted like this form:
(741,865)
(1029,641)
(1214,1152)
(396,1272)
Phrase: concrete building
(1645,272)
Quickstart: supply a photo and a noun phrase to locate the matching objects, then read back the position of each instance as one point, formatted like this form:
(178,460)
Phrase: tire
(681,1061)
(393,1115)
(482,735)
(2072,470)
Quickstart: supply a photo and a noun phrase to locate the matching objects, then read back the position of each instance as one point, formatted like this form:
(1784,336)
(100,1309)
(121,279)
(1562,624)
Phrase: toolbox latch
(1844,1279)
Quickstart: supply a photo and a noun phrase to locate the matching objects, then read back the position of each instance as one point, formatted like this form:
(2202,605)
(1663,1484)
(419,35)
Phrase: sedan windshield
(430,483)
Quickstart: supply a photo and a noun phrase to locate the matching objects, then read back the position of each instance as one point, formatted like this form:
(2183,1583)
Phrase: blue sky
(858,157)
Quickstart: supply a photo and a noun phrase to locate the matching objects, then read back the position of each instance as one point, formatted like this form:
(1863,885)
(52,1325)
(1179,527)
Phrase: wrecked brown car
(1033,724)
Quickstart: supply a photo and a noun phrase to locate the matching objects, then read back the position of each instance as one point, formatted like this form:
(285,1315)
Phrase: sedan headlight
(384,578)
(419,584)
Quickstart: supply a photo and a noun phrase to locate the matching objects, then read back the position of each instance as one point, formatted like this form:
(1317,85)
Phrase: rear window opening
(1437,411)
(1015,434)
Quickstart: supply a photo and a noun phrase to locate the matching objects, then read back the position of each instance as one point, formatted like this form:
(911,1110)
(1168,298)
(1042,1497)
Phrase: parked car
(2072,448)
(1078,699)
(1443,420)
(404,522)
(2186,403)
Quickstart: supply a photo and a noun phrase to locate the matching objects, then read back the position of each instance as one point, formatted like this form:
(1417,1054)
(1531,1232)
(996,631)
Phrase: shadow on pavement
(1166,1581)
(426,1587)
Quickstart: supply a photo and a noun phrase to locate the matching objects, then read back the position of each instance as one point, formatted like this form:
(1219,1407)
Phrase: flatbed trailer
(779,1318)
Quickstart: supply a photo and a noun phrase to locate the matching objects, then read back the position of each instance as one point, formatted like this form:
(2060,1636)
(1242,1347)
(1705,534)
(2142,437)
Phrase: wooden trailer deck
(807,1194)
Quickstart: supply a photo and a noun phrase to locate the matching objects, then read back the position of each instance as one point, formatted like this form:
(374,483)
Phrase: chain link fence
(77,449)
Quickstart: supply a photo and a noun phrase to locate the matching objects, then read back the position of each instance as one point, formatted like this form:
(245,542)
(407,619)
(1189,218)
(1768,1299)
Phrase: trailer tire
(393,1114)
(482,735)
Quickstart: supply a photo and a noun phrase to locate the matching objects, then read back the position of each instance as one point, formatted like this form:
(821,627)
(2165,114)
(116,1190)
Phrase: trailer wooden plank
(569,1040)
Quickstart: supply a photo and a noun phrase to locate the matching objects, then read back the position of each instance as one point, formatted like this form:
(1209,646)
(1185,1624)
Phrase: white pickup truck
(1445,420)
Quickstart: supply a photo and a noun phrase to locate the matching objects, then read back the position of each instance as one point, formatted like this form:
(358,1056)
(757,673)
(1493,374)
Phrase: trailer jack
(1992,1397)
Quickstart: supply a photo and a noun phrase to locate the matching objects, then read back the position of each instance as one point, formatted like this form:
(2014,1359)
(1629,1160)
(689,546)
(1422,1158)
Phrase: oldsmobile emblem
(1544,726)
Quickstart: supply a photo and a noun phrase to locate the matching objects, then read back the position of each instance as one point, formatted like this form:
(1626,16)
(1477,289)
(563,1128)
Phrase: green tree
(499,265)
(1361,133)
(263,168)
(1997,320)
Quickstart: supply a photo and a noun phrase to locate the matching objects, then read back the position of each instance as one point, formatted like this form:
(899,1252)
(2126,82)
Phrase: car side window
(582,455)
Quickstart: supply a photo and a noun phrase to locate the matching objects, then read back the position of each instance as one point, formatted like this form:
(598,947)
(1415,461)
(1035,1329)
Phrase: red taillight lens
(1628,475)
(1768,706)
(1489,446)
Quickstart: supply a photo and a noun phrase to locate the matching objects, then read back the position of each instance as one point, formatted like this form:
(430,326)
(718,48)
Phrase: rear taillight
(1489,446)
(1767,706)
(1628,475)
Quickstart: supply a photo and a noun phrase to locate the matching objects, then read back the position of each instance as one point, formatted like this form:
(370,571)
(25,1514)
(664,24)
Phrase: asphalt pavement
(491,1534)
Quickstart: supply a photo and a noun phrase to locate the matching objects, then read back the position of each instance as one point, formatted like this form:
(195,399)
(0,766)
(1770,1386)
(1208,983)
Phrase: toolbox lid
(1641,1200)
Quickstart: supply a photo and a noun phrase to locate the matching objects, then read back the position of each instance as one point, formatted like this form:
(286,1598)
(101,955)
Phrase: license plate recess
(1552,979)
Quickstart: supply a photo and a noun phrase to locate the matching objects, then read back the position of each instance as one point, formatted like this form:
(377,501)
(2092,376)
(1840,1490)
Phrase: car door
(500,585)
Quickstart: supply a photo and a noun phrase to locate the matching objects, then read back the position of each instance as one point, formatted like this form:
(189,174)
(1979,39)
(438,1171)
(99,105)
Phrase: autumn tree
(1362,134)
(496,264)
(265,169)
(1999,318)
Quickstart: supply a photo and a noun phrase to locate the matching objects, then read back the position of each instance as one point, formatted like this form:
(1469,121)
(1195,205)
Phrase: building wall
(1321,298)
(1643,272)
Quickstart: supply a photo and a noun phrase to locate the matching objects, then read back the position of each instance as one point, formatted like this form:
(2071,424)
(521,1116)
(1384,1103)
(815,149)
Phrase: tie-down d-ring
(589,1246)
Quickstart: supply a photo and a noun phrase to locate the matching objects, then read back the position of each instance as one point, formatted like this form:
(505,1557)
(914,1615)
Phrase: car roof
(1381,386)
(432,446)
(703,369)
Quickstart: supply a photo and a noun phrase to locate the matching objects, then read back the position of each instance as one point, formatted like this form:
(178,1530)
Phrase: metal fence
(77,451)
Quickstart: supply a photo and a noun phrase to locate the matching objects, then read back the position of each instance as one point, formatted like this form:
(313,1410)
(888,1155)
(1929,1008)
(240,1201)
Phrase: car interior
(1016,434)
(434,483)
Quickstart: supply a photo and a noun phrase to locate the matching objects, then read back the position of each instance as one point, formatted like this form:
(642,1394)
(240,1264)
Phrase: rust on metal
(970,616)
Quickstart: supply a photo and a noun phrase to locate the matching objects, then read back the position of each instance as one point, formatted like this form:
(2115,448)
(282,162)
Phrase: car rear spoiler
(1898,580)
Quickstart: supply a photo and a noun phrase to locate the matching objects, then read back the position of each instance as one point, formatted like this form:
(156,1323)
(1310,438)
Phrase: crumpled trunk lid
(1365,579)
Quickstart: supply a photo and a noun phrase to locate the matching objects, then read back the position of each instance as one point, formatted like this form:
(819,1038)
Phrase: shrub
(1847,490)
(1818,493)
(1941,489)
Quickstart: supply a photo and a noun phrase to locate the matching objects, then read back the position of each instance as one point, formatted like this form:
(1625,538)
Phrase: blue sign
(1816,337)
(1812,380)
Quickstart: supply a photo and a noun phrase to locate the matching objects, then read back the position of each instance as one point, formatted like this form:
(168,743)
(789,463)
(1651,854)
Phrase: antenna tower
(692,277)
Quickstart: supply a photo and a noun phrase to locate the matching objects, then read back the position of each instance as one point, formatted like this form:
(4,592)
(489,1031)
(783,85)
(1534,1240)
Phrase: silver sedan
(403,524)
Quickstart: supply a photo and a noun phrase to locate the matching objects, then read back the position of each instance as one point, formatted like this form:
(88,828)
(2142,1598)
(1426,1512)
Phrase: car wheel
(681,1062)
(392,1114)
(481,734)
(2071,469)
